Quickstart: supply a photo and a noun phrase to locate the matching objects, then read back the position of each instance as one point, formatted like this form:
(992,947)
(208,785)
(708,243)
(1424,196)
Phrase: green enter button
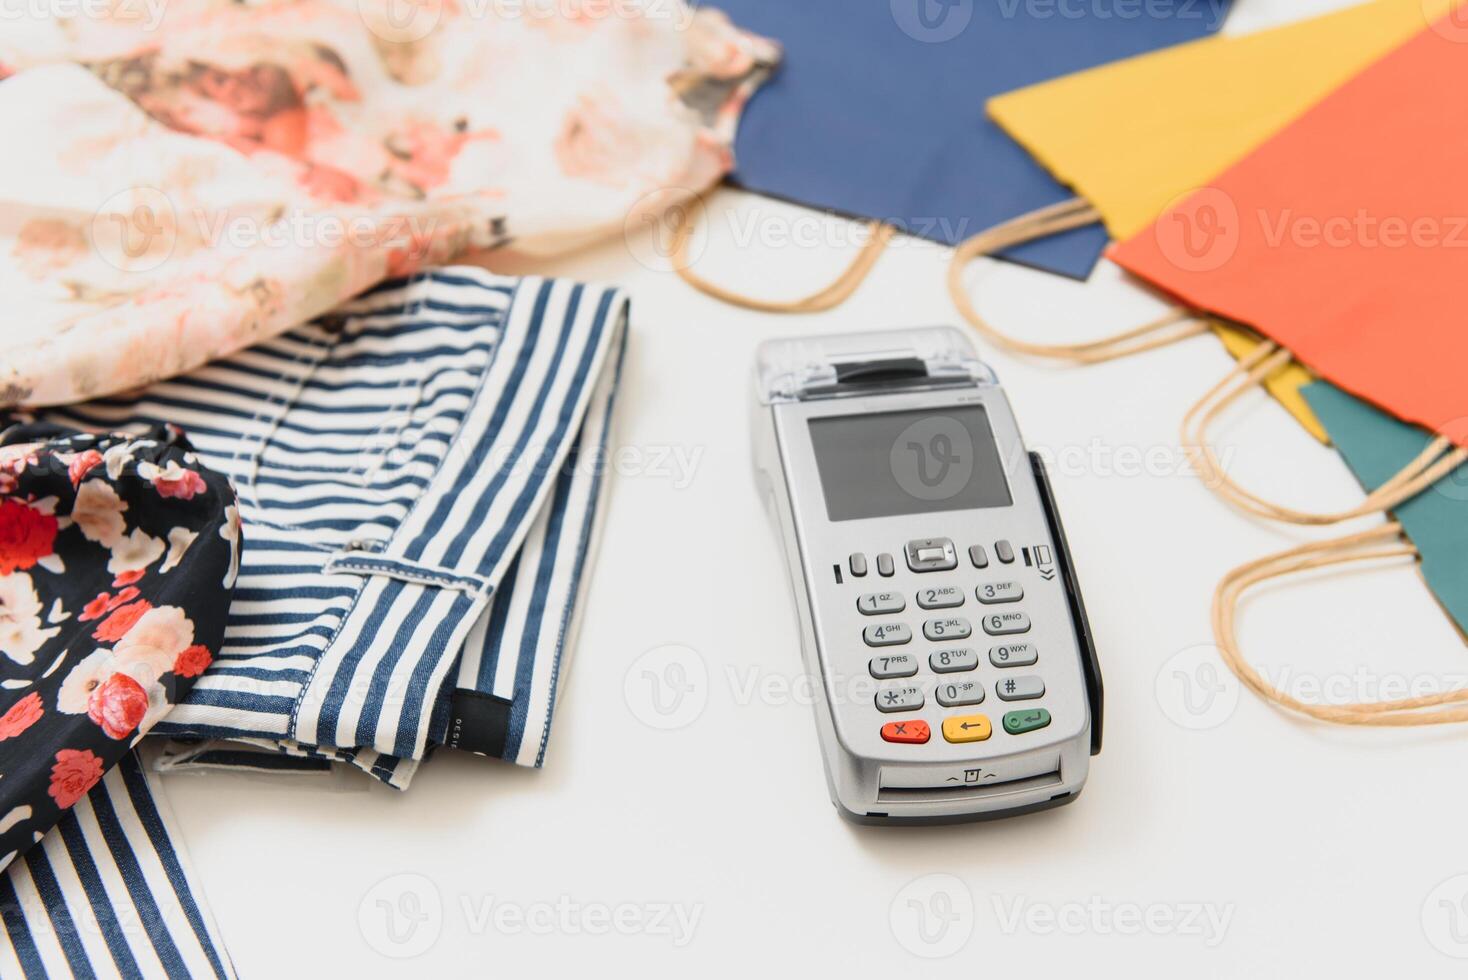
(1019,722)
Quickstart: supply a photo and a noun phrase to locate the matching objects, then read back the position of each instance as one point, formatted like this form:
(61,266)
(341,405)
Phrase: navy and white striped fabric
(107,893)
(418,479)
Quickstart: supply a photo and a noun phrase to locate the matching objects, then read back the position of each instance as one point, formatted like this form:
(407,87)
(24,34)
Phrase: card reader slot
(973,791)
(1090,663)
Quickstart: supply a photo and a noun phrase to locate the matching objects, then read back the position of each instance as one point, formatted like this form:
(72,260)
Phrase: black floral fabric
(118,557)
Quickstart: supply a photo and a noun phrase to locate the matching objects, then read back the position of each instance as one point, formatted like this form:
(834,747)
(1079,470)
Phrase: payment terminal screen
(894,463)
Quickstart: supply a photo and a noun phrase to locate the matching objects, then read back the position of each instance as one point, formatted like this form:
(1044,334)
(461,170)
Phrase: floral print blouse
(118,556)
(187,178)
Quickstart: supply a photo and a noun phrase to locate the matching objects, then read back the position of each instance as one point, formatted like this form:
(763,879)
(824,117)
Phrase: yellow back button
(967,728)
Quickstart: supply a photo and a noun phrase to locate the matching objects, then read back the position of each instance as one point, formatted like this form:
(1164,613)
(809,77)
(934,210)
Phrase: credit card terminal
(938,606)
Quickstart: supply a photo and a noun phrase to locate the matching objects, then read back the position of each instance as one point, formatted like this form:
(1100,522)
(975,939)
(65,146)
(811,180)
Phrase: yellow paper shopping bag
(1133,136)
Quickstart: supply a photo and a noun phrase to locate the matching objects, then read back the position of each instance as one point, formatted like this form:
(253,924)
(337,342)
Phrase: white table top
(1220,840)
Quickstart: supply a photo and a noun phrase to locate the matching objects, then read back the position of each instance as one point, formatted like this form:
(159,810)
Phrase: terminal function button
(899,699)
(1019,722)
(943,598)
(952,628)
(1014,655)
(885,566)
(893,665)
(1025,688)
(931,555)
(1005,551)
(953,661)
(994,593)
(887,635)
(907,732)
(881,603)
(967,728)
(1006,623)
(951,694)
(858,563)
(978,556)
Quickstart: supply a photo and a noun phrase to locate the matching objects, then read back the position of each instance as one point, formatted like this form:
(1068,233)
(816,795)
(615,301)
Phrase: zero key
(906,732)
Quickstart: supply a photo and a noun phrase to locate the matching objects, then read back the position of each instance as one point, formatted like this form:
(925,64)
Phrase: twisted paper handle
(1075,213)
(1379,543)
(1439,459)
(824,299)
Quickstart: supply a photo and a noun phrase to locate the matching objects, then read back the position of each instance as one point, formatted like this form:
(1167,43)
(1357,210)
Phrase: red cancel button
(907,732)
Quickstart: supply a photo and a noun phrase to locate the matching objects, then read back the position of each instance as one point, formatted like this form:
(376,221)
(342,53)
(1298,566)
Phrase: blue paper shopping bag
(878,109)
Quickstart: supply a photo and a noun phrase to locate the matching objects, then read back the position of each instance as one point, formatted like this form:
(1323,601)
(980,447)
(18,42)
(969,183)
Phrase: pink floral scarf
(185,179)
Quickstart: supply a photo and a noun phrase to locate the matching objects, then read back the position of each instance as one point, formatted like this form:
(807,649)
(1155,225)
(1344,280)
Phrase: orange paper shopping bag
(1344,237)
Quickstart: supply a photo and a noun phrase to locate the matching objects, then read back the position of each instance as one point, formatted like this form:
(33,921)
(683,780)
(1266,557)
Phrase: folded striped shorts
(418,477)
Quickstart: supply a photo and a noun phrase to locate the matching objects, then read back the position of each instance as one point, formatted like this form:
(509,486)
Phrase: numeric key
(893,665)
(953,661)
(1013,655)
(1006,623)
(881,603)
(952,628)
(994,593)
(887,634)
(952,694)
(945,597)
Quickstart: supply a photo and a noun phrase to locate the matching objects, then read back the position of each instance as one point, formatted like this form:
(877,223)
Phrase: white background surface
(1320,848)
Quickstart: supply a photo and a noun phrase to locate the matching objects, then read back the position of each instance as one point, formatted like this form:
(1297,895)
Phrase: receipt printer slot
(968,791)
(982,780)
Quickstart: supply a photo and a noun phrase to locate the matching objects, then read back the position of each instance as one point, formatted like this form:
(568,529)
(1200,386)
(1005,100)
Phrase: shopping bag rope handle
(685,221)
(1177,324)
(1440,458)
(1376,544)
